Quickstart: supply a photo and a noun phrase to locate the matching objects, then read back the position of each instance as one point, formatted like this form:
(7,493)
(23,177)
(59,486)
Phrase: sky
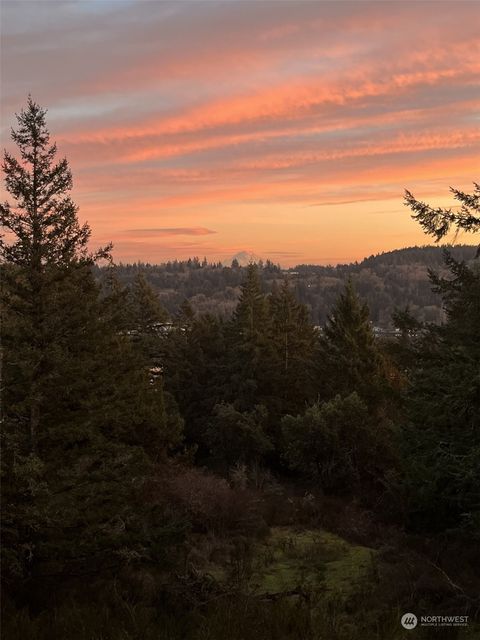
(286,129)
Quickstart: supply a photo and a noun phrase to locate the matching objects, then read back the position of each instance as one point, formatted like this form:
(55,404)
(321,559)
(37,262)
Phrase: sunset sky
(289,129)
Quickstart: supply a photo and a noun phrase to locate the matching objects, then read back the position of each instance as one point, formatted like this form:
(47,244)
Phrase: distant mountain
(386,281)
(244,258)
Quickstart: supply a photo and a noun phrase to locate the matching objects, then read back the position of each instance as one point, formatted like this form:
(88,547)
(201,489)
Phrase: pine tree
(251,348)
(76,399)
(62,351)
(45,250)
(251,313)
(237,437)
(116,298)
(442,438)
(196,373)
(146,316)
(186,315)
(437,222)
(147,311)
(44,222)
(294,341)
(349,359)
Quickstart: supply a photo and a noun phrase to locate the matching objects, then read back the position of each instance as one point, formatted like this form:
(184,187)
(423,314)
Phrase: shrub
(339,444)
(207,502)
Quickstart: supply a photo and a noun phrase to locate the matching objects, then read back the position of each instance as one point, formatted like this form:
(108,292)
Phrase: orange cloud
(165,232)
(285,100)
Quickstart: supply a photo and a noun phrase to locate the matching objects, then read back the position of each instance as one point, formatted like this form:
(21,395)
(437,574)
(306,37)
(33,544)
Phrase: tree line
(386,281)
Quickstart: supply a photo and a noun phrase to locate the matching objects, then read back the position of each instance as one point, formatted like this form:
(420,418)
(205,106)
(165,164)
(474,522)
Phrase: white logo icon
(409,621)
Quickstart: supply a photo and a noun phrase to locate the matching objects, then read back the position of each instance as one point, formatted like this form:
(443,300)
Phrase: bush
(206,502)
(237,436)
(338,444)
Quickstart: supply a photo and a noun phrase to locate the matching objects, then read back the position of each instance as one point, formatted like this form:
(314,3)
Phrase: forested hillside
(386,281)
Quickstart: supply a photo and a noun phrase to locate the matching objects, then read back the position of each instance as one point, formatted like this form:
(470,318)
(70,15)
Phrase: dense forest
(387,282)
(173,472)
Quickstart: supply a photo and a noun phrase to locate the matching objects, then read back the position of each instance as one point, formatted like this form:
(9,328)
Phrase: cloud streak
(162,232)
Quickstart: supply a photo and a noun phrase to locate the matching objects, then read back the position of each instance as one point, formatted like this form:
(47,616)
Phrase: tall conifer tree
(46,263)
(146,307)
(252,352)
(293,340)
(442,438)
(349,358)
(76,401)
(438,221)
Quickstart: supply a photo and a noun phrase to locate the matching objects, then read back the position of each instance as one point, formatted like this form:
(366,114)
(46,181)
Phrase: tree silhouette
(437,222)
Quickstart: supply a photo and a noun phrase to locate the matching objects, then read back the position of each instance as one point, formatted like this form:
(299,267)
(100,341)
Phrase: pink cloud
(165,232)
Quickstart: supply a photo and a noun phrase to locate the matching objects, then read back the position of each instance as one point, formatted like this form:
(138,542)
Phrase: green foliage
(294,339)
(78,408)
(24,491)
(115,298)
(438,222)
(404,320)
(147,311)
(442,441)
(386,281)
(157,422)
(251,353)
(349,358)
(93,523)
(44,220)
(251,312)
(237,436)
(263,356)
(402,350)
(339,445)
(195,370)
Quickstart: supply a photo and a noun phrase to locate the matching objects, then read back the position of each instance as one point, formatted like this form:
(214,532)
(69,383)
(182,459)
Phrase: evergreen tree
(186,315)
(147,311)
(339,445)
(115,296)
(403,349)
(46,251)
(251,313)
(76,400)
(62,350)
(146,317)
(234,436)
(437,222)
(195,365)
(252,353)
(442,438)
(349,359)
(294,340)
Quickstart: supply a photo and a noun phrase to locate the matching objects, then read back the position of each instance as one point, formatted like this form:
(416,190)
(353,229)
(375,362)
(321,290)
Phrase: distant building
(163,327)
(380,332)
